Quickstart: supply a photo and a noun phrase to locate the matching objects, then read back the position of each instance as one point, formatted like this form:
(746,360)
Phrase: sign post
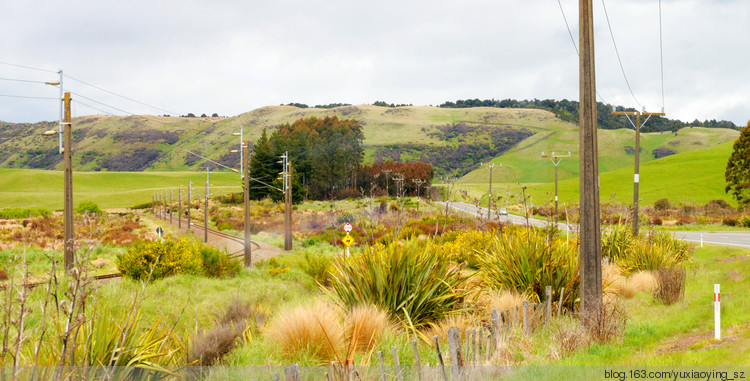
(347,240)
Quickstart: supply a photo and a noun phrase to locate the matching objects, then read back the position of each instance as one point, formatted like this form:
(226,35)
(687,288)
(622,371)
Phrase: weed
(313,329)
(606,324)
(670,284)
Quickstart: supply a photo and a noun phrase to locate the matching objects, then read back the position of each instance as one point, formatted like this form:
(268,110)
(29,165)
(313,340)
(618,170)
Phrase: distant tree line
(385,104)
(330,105)
(568,110)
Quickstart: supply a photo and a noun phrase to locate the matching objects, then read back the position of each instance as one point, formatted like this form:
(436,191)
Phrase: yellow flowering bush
(464,248)
(168,257)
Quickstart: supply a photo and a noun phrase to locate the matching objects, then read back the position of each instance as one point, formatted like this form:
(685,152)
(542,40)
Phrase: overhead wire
(21,80)
(575,47)
(28,67)
(119,95)
(617,52)
(25,96)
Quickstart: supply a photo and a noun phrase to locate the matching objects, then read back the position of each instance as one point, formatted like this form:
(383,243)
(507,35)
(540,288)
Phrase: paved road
(727,238)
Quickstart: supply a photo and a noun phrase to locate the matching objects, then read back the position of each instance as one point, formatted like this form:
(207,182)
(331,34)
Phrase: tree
(738,169)
(262,167)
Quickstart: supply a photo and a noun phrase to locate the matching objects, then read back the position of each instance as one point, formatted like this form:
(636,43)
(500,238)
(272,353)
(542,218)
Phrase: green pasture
(27,188)
(694,176)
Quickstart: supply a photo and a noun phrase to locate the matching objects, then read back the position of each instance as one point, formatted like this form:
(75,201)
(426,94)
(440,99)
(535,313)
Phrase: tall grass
(647,251)
(410,281)
(529,262)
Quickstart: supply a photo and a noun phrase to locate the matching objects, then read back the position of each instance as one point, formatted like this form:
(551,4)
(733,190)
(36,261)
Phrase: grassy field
(695,176)
(38,188)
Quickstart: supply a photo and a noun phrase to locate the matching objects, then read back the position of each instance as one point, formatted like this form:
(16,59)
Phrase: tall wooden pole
(246,201)
(69,258)
(179,209)
(205,210)
(288,205)
(636,176)
(590,234)
(190,190)
(170,206)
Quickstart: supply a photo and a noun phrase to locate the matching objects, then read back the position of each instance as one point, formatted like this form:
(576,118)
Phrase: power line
(95,108)
(114,108)
(103,104)
(20,80)
(575,47)
(121,96)
(28,67)
(24,96)
(618,55)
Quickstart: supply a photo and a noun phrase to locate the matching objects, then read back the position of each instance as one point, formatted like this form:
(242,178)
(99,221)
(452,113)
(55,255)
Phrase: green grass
(27,188)
(695,176)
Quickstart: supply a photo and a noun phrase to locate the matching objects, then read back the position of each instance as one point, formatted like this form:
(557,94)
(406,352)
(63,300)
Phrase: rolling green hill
(455,140)
(696,176)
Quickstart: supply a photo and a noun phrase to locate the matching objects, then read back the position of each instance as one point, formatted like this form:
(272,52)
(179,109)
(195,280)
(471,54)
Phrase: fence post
(548,312)
(454,346)
(559,304)
(526,317)
(495,329)
(291,372)
(382,365)
(417,361)
(396,363)
(440,357)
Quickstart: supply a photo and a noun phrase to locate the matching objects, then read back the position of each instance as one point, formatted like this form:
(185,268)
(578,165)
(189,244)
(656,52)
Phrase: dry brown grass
(441,327)
(569,335)
(365,325)
(607,324)
(502,300)
(642,281)
(671,284)
(315,329)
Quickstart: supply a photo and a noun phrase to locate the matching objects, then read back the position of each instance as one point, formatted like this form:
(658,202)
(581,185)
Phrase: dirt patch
(100,262)
(733,259)
(735,276)
(701,341)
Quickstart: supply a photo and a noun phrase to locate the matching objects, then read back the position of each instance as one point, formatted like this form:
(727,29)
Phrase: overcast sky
(232,56)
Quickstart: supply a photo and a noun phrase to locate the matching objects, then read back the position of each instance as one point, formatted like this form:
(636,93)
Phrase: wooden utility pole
(491,170)
(590,234)
(190,189)
(179,209)
(205,210)
(170,205)
(636,177)
(288,205)
(153,203)
(246,202)
(556,159)
(69,258)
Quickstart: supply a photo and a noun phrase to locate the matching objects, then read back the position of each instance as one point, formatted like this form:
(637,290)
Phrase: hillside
(454,140)
(696,176)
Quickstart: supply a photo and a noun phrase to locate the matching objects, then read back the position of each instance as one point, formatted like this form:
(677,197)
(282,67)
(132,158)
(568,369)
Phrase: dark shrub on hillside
(88,207)
(656,221)
(662,204)
(718,204)
(134,160)
(729,221)
(663,152)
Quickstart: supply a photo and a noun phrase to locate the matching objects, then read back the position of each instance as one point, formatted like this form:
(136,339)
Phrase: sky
(232,56)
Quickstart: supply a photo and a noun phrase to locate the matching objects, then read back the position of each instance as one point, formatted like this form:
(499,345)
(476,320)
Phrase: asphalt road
(726,238)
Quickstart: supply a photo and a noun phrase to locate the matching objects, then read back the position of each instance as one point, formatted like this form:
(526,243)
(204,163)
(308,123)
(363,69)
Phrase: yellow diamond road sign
(348,240)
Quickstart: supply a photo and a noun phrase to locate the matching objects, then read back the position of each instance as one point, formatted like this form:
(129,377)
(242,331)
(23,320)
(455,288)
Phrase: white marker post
(717,313)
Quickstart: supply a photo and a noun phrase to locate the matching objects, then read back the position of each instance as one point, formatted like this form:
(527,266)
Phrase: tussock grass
(365,325)
(315,329)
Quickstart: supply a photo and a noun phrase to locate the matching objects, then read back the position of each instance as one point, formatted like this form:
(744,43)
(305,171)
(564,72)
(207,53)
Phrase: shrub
(744,221)
(527,263)
(656,221)
(218,264)
(315,330)
(345,217)
(617,242)
(606,324)
(654,251)
(662,204)
(364,326)
(466,246)
(90,207)
(729,221)
(165,257)
(318,266)
(224,226)
(410,281)
(670,284)
(17,213)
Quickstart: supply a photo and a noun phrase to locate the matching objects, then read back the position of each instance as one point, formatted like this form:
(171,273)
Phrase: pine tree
(262,169)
